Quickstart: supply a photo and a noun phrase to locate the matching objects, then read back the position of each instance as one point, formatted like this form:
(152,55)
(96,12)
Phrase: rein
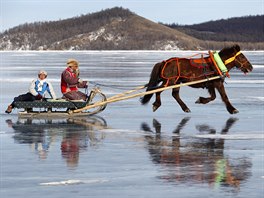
(232,58)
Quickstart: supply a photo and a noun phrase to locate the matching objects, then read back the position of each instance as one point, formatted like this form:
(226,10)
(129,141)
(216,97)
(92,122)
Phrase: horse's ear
(236,47)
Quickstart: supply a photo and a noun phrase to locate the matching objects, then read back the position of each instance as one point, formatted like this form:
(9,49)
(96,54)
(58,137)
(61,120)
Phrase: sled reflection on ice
(75,135)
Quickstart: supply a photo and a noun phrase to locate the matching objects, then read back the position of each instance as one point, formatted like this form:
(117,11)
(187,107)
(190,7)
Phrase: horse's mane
(227,51)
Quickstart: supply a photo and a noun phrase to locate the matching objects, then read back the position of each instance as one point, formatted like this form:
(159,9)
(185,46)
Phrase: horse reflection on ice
(195,160)
(76,134)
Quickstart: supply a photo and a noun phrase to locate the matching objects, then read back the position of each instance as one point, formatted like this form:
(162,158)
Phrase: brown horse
(181,70)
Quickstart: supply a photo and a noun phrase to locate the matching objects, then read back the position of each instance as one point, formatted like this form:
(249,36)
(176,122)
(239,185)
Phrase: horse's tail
(153,82)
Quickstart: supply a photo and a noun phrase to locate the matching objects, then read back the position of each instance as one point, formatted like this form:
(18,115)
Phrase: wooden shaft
(144,93)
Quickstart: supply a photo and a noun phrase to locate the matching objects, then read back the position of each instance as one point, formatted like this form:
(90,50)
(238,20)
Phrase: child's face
(42,76)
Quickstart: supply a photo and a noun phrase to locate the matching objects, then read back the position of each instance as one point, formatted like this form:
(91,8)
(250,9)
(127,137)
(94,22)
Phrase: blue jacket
(40,87)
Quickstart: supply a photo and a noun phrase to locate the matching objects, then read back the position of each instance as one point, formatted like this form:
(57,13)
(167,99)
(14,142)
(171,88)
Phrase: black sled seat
(50,103)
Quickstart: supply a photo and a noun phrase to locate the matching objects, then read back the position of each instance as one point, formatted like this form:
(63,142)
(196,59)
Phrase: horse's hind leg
(221,89)
(202,100)
(157,102)
(176,95)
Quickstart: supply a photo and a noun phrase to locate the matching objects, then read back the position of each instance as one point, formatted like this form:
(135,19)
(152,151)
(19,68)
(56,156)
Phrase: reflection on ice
(195,160)
(76,135)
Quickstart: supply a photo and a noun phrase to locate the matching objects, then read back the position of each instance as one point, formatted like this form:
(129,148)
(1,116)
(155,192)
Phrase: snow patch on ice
(2,132)
(232,137)
(73,182)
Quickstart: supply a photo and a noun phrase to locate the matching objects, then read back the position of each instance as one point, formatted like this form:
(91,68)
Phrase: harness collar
(232,58)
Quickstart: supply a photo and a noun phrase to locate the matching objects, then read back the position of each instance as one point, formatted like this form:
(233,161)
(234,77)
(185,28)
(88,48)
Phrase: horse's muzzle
(246,69)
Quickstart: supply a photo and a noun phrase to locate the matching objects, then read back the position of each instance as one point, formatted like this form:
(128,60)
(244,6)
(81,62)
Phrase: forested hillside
(239,29)
(120,29)
(110,29)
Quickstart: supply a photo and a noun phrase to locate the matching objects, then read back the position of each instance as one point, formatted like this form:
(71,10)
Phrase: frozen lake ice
(127,150)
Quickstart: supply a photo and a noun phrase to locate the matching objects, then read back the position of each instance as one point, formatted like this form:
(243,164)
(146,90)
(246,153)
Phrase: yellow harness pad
(232,58)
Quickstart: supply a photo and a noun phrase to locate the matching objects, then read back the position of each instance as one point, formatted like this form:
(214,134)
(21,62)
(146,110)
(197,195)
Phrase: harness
(204,67)
(232,58)
(195,68)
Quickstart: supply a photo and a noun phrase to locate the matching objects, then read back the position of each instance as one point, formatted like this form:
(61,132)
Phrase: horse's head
(233,57)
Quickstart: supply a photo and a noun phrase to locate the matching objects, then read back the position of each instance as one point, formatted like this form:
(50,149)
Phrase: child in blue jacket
(37,90)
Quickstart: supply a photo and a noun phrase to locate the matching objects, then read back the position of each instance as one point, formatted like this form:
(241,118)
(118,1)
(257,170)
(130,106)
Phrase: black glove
(38,97)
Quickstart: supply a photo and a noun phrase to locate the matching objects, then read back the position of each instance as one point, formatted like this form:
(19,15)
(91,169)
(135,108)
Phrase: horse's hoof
(187,111)
(198,101)
(154,108)
(235,111)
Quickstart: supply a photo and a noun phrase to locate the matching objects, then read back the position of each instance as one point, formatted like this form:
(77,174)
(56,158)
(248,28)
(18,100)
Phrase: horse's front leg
(157,102)
(221,89)
(176,95)
(202,100)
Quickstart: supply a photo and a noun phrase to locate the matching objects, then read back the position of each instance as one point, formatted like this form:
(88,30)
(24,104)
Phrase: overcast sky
(16,12)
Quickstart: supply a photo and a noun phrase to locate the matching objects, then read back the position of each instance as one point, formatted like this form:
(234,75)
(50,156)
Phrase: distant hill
(237,29)
(111,29)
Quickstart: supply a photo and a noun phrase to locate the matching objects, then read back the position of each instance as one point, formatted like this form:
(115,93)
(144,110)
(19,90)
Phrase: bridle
(227,61)
(233,58)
